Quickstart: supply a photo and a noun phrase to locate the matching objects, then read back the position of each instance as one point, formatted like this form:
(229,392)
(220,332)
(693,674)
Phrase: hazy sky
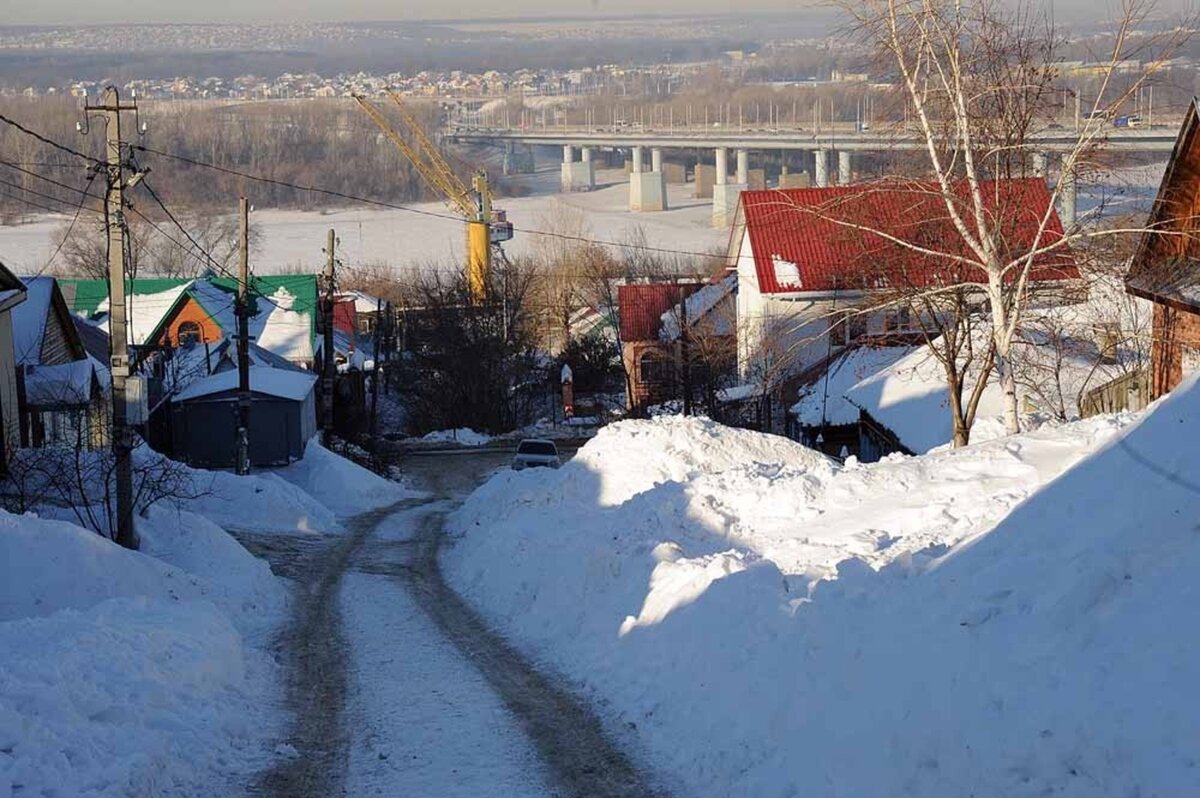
(95,11)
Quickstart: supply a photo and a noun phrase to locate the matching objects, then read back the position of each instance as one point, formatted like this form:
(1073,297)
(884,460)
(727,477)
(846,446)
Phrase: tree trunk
(1002,339)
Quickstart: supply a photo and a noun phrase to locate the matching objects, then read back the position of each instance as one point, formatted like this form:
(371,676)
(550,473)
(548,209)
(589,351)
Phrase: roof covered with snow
(29,319)
(819,239)
(283,310)
(824,401)
(62,385)
(280,383)
(910,398)
(698,306)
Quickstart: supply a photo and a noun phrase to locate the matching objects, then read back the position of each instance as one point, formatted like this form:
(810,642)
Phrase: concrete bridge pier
(1037,163)
(821,168)
(647,190)
(518,158)
(845,167)
(725,194)
(577,175)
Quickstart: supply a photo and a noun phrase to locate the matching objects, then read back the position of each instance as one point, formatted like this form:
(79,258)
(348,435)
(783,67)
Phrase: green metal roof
(84,297)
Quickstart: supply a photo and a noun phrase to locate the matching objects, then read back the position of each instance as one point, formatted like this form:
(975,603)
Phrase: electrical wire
(70,227)
(409,208)
(49,142)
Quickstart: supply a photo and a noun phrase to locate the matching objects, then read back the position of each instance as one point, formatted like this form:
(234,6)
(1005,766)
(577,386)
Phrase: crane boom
(434,174)
(432,153)
(486,228)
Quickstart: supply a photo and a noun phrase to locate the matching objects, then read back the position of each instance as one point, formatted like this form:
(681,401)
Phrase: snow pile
(464,436)
(966,622)
(340,484)
(124,674)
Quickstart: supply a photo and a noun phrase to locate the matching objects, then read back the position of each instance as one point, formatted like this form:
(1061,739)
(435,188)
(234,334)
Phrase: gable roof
(289,384)
(824,239)
(641,306)
(283,307)
(1163,267)
(31,318)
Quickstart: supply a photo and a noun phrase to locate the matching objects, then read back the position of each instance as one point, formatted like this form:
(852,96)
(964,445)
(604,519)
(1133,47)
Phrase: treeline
(330,144)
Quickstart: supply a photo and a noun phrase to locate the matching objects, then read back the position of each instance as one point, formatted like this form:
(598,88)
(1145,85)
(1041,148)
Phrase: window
(189,333)
(899,320)
(655,368)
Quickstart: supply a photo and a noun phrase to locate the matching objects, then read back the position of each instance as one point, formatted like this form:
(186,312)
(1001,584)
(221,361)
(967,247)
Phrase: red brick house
(1165,268)
(651,317)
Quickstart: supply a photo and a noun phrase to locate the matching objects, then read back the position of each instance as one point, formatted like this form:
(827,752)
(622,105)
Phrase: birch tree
(980,83)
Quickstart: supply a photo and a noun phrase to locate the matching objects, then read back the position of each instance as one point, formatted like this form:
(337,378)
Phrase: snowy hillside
(1001,620)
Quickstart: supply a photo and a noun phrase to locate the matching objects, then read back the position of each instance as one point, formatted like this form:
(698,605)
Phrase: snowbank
(966,622)
(340,484)
(125,674)
(464,436)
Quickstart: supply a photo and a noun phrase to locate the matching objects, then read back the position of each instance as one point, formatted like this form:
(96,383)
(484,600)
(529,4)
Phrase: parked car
(535,453)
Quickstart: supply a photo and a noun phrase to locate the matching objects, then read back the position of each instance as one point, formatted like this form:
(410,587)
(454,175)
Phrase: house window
(853,328)
(654,368)
(899,320)
(189,333)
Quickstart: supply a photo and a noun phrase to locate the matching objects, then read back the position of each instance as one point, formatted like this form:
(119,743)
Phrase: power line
(49,142)
(410,209)
(70,227)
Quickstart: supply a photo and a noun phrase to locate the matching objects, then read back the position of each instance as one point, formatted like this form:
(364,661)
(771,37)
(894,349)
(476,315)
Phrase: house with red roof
(660,324)
(807,259)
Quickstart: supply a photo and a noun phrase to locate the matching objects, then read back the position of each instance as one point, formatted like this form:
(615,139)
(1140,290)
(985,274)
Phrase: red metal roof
(819,239)
(642,305)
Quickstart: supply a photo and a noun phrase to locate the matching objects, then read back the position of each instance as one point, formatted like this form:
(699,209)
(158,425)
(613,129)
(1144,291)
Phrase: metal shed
(282,418)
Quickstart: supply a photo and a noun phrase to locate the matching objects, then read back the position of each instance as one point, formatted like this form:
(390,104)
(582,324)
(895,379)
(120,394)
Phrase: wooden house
(1165,268)
(60,388)
(12,294)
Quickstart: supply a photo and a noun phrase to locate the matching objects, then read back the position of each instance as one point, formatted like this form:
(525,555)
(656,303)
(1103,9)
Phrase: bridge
(647,188)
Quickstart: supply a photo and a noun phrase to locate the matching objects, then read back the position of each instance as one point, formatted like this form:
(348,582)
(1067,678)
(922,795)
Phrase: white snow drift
(972,622)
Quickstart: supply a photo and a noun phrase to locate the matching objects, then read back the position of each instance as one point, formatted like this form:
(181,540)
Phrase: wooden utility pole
(329,366)
(243,352)
(118,327)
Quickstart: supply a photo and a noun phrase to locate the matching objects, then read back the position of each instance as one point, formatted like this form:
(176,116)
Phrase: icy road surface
(397,687)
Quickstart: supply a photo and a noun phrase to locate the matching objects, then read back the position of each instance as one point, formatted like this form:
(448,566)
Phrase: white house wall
(796,327)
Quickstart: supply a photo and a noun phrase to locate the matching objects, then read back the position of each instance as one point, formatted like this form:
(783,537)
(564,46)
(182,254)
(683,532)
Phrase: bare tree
(979,79)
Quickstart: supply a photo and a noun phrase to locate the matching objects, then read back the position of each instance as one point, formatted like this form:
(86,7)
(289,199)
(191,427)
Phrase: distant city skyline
(87,12)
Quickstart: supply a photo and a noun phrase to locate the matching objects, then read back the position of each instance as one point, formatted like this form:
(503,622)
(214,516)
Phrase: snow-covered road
(397,687)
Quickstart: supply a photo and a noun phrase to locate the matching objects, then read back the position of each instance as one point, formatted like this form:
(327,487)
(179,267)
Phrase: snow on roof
(820,239)
(29,320)
(363,302)
(283,329)
(787,273)
(699,304)
(146,312)
(825,401)
(910,398)
(281,383)
(64,384)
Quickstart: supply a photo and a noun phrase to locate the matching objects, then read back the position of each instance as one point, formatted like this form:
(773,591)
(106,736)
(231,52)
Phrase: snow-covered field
(1016,618)
(149,673)
(406,240)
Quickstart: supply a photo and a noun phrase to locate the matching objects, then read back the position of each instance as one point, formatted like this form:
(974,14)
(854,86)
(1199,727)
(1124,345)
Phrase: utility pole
(118,327)
(243,352)
(379,322)
(328,368)
(685,355)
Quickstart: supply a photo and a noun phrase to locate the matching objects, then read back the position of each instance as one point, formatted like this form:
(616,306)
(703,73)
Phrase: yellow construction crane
(486,228)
